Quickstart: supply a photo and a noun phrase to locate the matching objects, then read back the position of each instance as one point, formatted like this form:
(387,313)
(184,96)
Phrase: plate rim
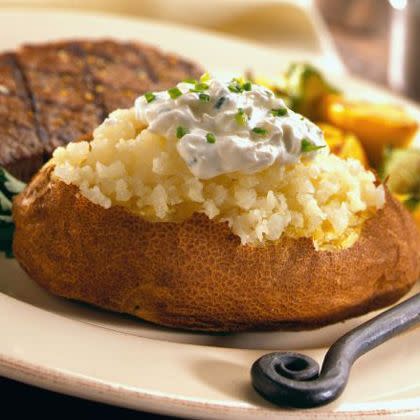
(71,383)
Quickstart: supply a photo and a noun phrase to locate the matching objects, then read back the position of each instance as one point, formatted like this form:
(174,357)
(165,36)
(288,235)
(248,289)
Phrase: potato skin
(196,275)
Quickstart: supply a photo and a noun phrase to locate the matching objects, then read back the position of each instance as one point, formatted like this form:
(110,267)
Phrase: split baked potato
(196,274)
(123,222)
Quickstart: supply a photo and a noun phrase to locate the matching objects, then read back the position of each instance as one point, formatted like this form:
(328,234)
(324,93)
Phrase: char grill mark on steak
(90,82)
(21,150)
(55,93)
(65,105)
(119,73)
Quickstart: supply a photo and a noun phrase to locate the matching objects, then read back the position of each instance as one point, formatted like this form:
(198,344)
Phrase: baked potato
(196,274)
(214,207)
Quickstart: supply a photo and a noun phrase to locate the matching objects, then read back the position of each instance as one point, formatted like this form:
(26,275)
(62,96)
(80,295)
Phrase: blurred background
(378,39)
(375,39)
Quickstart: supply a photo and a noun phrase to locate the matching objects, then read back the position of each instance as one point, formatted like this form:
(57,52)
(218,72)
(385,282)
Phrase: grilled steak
(54,93)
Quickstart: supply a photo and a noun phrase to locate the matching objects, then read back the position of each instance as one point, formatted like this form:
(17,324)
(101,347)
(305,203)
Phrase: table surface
(365,54)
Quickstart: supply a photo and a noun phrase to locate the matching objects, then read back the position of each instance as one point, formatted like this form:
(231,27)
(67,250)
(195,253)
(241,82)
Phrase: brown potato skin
(196,275)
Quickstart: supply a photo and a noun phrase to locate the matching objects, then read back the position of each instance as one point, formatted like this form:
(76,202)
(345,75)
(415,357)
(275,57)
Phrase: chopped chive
(199,87)
(239,80)
(204,97)
(247,86)
(241,118)
(181,131)
(260,131)
(220,102)
(174,92)
(235,87)
(306,146)
(190,81)
(211,138)
(205,77)
(238,85)
(149,96)
(202,86)
(279,112)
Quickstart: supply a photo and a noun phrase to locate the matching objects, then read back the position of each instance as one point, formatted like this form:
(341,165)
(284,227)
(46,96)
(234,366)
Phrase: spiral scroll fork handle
(293,379)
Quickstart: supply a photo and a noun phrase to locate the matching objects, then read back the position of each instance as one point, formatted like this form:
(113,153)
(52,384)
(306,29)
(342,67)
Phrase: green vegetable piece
(174,93)
(150,97)
(181,132)
(412,203)
(205,77)
(6,228)
(6,219)
(199,87)
(247,86)
(279,112)
(306,146)
(304,87)
(260,131)
(402,169)
(190,81)
(238,85)
(241,118)
(204,97)
(9,187)
(235,87)
(211,138)
(5,204)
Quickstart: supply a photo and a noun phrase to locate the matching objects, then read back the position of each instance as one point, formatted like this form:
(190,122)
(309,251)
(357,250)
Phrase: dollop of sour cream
(228,127)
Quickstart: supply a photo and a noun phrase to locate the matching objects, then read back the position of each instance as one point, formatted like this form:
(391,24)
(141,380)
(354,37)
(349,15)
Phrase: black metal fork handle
(294,380)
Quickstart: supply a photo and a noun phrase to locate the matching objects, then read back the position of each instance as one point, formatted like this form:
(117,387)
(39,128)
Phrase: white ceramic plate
(75,349)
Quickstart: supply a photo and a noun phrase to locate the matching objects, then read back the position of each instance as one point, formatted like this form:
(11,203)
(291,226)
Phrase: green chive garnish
(190,81)
(220,102)
(199,87)
(211,138)
(235,87)
(204,97)
(205,77)
(149,97)
(241,118)
(306,146)
(174,92)
(260,131)
(247,86)
(181,131)
(279,112)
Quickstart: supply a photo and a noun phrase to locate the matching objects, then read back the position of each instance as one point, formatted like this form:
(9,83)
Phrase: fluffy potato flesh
(325,198)
(196,275)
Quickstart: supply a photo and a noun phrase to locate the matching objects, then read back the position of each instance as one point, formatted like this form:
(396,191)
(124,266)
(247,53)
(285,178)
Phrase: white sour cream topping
(237,148)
